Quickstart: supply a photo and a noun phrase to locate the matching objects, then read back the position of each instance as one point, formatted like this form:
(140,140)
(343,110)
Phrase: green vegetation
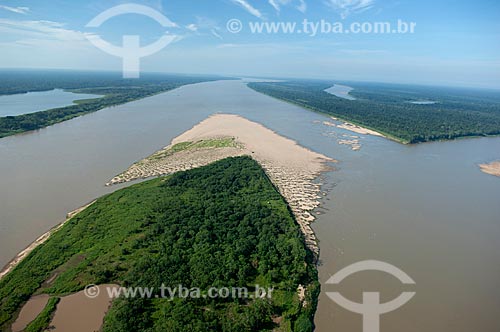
(387,108)
(42,321)
(222,225)
(222,142)
(112,87)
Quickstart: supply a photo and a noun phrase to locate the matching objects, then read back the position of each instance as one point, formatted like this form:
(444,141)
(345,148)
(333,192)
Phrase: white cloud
(192,27)
(248,7)
(216,34)
(204,26)
(277,4)
(47,34)
(348,7)
(18,10)
(302,7)
(48,44)
(43,33)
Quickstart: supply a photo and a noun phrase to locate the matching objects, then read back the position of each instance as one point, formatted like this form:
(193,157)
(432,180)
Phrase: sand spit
(292,168)
(23,254)
(167,162)
(354,128)
(492,168)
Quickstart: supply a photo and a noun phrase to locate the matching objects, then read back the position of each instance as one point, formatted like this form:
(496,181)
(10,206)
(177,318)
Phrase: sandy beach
(492,168)
(292,168)
(354,128)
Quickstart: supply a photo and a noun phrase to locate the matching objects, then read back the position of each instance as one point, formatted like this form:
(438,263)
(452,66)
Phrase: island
(230,207)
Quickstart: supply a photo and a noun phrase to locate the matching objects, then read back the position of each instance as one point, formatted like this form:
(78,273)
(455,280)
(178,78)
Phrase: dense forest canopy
(387,108)
(112,86)
(22,81)
(220,225)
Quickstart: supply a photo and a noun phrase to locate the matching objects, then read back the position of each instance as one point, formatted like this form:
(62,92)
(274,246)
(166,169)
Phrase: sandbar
(292,168)
(492,168)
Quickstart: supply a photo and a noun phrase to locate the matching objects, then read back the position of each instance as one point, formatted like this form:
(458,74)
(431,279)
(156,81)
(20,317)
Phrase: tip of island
(293,169)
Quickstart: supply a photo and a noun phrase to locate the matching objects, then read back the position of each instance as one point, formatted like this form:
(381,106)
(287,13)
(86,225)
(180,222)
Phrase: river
(341,91)
(426,209)
(24,103)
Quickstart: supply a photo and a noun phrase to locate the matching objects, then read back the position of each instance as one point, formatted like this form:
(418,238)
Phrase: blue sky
(455,42)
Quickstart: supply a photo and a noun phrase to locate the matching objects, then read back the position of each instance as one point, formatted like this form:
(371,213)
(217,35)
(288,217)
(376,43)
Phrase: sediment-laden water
(427,209)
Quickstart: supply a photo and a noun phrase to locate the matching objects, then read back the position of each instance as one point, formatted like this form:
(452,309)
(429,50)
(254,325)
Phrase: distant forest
(222,225)
(387,108)
(114,89)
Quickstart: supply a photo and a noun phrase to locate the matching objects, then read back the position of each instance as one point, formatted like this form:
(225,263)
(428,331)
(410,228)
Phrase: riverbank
(112,92)
(492,168)
(348,124)
(41,239)
(221,219)
(358,129)
(292,168)
(352,141)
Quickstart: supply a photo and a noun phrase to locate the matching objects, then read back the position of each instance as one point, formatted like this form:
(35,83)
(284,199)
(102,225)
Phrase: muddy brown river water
(426,209)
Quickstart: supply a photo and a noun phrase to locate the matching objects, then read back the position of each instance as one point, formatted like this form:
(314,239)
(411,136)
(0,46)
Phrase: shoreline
(341,91)
(492,168)
(301,195)
(292,169)
(349,122)
(355,128)
(38,241)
